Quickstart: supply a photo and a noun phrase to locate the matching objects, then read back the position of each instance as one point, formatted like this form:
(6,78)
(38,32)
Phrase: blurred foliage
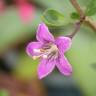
(12,29)
(91,8)
(53,18)
(26,67)
(4,93)
(75,15)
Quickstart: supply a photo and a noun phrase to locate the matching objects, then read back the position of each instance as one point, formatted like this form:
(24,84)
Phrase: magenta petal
(64,66)
(31,46)
(63,43)
(45,68)
(43,34)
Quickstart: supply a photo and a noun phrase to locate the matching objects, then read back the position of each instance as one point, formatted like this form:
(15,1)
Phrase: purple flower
(50,51)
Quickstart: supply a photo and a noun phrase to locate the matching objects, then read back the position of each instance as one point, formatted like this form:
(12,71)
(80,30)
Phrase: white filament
(44,56)
(37,50)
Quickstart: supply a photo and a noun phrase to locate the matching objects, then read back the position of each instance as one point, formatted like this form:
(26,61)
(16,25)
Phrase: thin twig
(87,20)
(77,7)
(78,25)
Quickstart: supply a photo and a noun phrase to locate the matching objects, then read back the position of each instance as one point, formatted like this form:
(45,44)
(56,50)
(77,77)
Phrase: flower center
(48,51)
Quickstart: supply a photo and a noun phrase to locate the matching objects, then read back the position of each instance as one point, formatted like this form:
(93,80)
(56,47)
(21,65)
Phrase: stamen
(35,57)
(47,52)
(44,56)
(42,50)
(41,55)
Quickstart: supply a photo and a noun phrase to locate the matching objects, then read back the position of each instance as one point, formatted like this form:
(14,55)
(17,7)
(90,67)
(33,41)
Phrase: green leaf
(91,8)
(75,15)
(54,18)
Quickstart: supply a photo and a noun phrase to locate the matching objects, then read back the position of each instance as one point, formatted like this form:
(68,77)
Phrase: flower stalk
(78,25)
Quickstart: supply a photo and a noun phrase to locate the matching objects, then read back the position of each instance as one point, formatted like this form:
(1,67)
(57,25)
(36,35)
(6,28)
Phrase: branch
(90,23)
(87,20)
(77,7)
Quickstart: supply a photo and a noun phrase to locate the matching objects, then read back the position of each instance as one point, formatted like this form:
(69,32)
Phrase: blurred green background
(18,76)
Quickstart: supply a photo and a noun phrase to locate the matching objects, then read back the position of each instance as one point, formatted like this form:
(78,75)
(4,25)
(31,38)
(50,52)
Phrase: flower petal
(31,46)
(45,67)
(63,43)
(43,35)
(64,66)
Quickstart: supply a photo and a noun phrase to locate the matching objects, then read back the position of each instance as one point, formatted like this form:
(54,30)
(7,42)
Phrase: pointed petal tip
(40,76)
(68,73)
(41,24)
(43,35)
(45,68)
